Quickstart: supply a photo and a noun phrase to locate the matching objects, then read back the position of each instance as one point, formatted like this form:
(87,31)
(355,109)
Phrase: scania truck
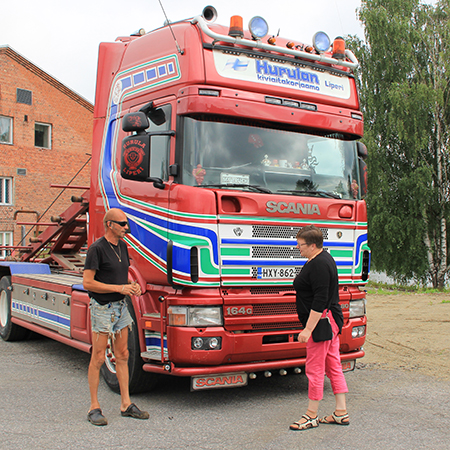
(219,143)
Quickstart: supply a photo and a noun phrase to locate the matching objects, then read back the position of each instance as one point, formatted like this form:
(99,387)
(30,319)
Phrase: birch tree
(405,93)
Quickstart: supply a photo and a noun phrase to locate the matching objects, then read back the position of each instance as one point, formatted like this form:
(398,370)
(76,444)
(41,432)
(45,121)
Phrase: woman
(317,287)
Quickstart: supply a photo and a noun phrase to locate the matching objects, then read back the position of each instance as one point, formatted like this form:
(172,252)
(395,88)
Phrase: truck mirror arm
(161,133)
(157,182)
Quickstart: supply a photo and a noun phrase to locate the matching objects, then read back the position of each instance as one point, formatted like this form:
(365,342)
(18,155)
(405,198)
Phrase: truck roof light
(236,27)
(308,106)
(338,48)
(291,103)
(321,42)
(210,92)
(274,100)
(139,32)
(272,40)
(258,28)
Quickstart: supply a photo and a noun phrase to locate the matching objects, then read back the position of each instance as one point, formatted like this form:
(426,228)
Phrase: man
(106,279)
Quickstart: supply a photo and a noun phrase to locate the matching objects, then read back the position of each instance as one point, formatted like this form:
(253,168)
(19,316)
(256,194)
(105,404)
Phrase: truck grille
(274,309)
(271,232)
(277,326)
(268,312)
(267,290)
(275,252)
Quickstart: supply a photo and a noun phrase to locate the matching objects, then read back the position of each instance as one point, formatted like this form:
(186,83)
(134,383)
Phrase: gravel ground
(409,332)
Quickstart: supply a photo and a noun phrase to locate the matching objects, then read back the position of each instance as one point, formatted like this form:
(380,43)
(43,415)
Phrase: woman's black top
(317,284)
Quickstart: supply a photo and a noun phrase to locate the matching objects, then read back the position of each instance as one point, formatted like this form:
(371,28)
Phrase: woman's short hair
(311,235)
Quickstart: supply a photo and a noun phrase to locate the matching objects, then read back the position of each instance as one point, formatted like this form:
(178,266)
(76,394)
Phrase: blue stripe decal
(359,243)
(40,314)
(154,341)
(54,318)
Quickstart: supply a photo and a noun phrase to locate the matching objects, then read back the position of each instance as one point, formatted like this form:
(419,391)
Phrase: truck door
(146,203)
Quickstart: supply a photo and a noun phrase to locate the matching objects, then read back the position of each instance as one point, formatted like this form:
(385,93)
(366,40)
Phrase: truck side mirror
(135,161)
(363,177)
(362,150)
(137,121)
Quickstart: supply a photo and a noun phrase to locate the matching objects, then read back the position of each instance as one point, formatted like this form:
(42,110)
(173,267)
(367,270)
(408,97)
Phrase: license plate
(348,366)
(269,273)
(219,381)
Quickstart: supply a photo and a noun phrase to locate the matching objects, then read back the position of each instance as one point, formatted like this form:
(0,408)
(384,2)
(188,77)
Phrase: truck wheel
(140,381)
(8,330)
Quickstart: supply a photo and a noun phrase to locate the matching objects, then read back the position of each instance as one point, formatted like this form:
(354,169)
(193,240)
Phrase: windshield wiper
(255,187)
(319,193)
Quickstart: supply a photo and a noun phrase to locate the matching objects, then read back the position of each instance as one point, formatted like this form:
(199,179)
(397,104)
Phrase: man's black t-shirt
(316,285)
(103,257)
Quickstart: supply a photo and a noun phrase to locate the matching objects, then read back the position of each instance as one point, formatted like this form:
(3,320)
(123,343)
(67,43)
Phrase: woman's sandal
(310,423)
(337,420)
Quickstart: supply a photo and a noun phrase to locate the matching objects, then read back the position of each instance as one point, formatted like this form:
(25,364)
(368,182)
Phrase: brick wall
(70,117)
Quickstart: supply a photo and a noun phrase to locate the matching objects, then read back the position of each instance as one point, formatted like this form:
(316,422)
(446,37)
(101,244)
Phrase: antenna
(168,23)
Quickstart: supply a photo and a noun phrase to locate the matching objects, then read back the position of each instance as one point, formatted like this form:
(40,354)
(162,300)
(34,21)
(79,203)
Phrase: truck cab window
(220,153)
(160,150)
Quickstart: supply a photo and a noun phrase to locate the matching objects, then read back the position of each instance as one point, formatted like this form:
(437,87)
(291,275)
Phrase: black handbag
(322,331)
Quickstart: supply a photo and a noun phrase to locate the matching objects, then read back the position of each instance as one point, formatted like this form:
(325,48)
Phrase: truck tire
(140,381)
(9,331)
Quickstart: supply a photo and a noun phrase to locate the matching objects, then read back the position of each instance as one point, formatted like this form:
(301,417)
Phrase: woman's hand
(304,335)
(314,317)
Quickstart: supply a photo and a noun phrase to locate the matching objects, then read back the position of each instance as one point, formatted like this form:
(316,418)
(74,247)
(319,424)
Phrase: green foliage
(405,94)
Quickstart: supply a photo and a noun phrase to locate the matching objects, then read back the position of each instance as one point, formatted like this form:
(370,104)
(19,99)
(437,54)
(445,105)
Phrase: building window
(42,135)
(6,238)
(24,96)
(6,134)
(5,191)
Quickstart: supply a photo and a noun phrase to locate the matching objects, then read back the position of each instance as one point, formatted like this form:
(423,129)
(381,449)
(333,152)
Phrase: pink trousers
(323,358)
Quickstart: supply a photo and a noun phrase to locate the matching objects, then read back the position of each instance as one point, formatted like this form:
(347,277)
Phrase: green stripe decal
(235,252)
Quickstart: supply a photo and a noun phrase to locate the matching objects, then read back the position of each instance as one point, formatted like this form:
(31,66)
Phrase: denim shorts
(109,318)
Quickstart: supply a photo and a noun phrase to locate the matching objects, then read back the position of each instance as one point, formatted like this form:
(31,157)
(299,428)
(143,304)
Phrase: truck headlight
(195,316)
(206,343)
(358,332)
(357,308)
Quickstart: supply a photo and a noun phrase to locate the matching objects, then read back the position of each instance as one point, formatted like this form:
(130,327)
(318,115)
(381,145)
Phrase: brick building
(45,138)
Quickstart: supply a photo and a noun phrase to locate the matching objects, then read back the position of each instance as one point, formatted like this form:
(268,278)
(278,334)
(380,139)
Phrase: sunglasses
(122,223)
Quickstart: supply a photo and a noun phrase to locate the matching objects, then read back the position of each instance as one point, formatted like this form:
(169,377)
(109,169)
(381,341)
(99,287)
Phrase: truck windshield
(239,156)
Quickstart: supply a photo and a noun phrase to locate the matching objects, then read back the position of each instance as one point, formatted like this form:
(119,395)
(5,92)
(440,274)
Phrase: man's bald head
(114,214)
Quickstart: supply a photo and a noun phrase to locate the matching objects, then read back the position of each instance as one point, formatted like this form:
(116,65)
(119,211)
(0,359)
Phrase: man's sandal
(96,417)
(310,423)
(135,412)
(337,420)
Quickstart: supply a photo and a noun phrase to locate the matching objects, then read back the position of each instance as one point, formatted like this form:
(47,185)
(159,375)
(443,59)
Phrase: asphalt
(44,394)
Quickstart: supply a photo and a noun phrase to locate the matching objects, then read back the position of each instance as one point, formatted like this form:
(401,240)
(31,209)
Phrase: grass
(373,287)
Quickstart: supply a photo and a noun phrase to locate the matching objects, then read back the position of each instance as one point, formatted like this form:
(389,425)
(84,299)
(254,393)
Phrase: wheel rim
(110,359)
(3,309)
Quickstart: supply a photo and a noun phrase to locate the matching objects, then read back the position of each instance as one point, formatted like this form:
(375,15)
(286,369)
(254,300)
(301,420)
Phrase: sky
(62,38)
